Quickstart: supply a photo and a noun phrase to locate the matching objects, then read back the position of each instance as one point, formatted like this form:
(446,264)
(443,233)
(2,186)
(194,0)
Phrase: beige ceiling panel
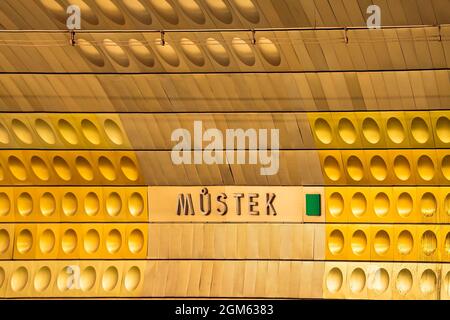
(409,47)
(341,13)
(431,89)
(301,50)
(405,90)
(418,90)
(367,89)
(394,50)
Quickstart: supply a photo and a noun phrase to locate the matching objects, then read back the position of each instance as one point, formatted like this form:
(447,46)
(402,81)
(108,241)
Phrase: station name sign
(233,204)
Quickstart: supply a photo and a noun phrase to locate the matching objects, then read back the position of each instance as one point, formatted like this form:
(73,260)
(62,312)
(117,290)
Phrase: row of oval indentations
(96,241)
(387,129)
(87,167)
(387,167)
(402,243)
(395,203)
(60,131)
(140,11)
(71,278)
(359,281)
(73,203)
(193,51)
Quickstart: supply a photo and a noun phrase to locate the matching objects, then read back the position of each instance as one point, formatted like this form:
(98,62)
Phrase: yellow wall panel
(110,278)
(359,242)
(382,204)
(396,128)
(405,279)
(4,276)
(358,204)
(429,242)
(445,282)
(355,166)
(403,167)
(347,129)
(444,205)
(382,242)
(356,286)
(420,129)
(92,241)
(48,238)
(133,276)
(19,284)
(6,241)
(6,204)
(379,167)
(334,280)
(379,281)
(372,129)
(322,127)
(428,281)
(426,166)
(336,204)
(406,205)
(71,241)
(25,241)
(443,160)
(440,121)
(428,204)
(336,242)
(332,167)
(444,243)
(137,204)
(137,240)
(26,204)
(406,243)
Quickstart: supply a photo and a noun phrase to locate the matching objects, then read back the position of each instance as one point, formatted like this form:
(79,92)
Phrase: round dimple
(165,10)
(87,13)
(428,242)
(269,51)
(402,168)
(428,282)
(358,204)
(425,167)
(21,131)
(428,204)
(243,51)
(219,10)
(192,10)
(107,168)
(91,241)
(379,280)
(91,52)
(378,168)
(113,132)
(69,204)
(357,280)
(192,52)
(5,240)
(336,204)
(47,241)
(381,204)
(447,205)
(334,280)
(381,242)
(332,168)
(405,242)
(24,204)
(132,278)
(129,168)
(91,204)
(47,204)
(248,10)
(113,241)
(116,53)
(404,204)
(395,130)
(404,281)
(167,53)
(90,131)
(113,204)
(87,279)
(42,279)
(446,284)
(69,241)
(5,204)
(323,131)
(142,53)
(62,168)
(65,279)
(110,278)
(17,168)
(45,131)
(136,204)
(443,129)
(218,52)
(136,241)
(55,9)
(336,242)
(110,10)
(67,131)
(19,279)
(4,136)
(39,168)
(24,241)
(355,168)
(138,11)
(419,130)
(2,173)
(347,131)
(84,168)
(358,242)
(371,131)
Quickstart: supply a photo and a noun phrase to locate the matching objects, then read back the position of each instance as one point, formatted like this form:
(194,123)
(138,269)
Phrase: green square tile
(313,205)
